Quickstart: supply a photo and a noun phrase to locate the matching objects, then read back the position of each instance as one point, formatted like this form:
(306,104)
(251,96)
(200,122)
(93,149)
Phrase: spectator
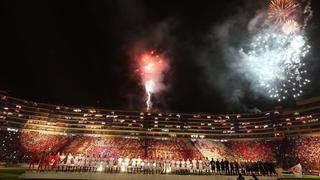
(240,177)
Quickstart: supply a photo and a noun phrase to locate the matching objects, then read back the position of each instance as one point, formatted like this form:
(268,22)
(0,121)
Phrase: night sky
(77,53)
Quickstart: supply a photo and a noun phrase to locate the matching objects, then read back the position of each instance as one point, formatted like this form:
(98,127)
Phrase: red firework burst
(281,11)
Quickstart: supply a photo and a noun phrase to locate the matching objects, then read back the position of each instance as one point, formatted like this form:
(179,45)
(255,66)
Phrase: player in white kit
(173,166)
(92,163)
(207,166)
(119,164)
(77,160)
(146,168)
(82,163)
(134,165)
(70,162)
(194,165)
(154,165)
(183,166)
(167,167)
(126,164)
(178,166)
(62,162)
(139,164)
(111,164)
(105,163)
(201,165)
(189,166)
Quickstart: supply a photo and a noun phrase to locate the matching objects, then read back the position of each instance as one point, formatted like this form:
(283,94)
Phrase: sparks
(275,60)
(290,27)
(152,68)
(282,10)
(275,56)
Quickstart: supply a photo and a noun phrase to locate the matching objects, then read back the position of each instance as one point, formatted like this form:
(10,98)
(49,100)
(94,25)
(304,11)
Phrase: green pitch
(305,177)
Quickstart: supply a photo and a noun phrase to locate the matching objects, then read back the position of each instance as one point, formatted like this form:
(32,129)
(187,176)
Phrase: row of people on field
(80,162)
(234,167)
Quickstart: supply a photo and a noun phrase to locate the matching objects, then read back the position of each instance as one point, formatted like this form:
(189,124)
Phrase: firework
(290,27)
(151,69)
(275,60)
(275,56)
(282,10)
(149,88)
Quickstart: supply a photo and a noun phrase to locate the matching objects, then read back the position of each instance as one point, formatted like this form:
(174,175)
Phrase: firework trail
(275,54)
(151,68)
(149,88)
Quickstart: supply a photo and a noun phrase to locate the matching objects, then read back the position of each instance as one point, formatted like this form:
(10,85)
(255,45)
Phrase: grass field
(304,177)
(14,173)
(11,173)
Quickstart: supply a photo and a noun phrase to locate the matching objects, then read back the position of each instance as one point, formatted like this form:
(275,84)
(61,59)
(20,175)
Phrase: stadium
(247,143)
(142,89)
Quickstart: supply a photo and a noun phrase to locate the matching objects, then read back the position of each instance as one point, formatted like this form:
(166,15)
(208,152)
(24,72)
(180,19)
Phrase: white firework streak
(275,62)
(149,87)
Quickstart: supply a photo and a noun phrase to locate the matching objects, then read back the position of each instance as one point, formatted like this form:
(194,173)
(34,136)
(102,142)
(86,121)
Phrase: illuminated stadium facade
(283,136)
(21,114)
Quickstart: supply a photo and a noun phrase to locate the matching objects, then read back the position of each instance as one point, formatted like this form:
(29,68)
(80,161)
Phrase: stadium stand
(284,136)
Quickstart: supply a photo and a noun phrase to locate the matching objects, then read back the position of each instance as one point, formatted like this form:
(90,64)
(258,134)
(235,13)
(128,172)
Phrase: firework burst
(151,68)
(290,26)
(282,10)
(274,59)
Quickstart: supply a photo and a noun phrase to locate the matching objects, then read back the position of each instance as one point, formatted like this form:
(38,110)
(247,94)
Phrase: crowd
(115,154)
(125,147)
(179,149)
(212,149)
(252,151)
(306,150)
(106,146)
(37,142)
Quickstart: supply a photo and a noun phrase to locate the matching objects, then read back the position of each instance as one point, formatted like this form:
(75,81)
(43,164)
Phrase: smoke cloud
(262,57)
(220,59)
